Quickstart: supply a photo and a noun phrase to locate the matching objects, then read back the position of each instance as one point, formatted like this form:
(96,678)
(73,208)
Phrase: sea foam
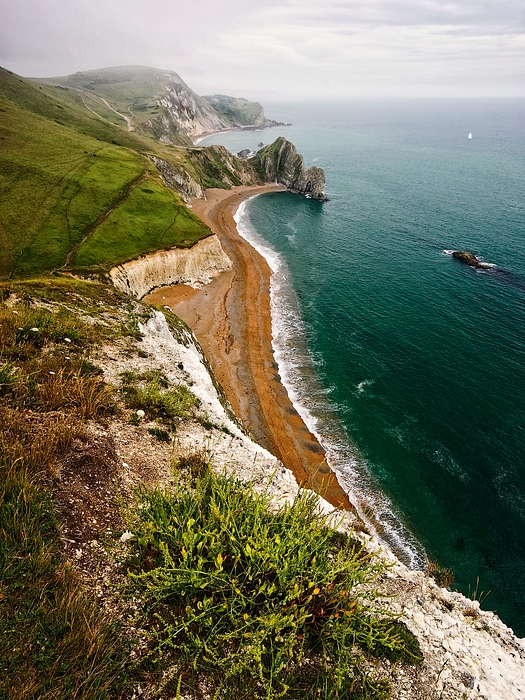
(320,415)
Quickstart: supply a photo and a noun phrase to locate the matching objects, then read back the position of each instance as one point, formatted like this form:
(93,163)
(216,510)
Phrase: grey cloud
(491,14)
(292,47)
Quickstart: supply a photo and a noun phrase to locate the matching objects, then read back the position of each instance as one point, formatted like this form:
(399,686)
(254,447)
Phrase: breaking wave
(312,402)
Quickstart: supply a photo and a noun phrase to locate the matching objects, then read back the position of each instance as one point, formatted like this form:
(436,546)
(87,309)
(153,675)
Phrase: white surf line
(351,474)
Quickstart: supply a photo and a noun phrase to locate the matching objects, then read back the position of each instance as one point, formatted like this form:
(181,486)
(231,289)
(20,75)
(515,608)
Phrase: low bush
(161,435)
(443,576)
(255,604)
(152,393)
(192,465)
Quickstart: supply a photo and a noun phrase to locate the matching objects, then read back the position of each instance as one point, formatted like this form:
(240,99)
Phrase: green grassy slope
(64,172)
(151,217)
(133,87)
(65,107)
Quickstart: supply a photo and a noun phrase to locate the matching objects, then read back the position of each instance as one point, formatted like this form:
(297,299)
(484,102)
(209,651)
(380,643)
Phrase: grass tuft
(443,576)
(193,464)
(153,393)
(261,605)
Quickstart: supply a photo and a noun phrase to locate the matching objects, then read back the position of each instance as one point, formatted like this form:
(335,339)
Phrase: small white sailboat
(469,135)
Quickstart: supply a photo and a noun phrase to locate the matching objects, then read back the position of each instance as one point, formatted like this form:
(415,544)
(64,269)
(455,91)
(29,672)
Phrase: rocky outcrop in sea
(470,259)
(279,162)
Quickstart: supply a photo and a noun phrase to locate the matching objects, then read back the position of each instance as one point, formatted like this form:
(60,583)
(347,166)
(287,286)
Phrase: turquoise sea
(408,364)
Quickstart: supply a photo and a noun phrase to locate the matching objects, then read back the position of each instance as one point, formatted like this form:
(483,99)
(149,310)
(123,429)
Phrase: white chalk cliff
(195,266)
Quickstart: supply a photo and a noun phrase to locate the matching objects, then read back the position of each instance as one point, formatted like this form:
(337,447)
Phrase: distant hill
(239,112)
(96,168)
(79,190)
(158,103)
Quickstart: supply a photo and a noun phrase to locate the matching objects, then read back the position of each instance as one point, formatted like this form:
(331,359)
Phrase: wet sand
(231,318)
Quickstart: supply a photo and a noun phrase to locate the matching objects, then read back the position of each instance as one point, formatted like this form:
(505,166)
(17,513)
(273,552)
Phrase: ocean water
(407,364)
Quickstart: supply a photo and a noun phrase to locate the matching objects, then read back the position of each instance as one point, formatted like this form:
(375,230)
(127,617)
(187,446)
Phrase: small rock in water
(469,258)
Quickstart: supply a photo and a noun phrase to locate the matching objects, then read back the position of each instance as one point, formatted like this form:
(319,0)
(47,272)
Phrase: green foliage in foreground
(255,604)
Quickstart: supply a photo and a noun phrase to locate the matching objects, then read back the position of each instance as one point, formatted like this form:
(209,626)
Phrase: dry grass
(38,441)
(55,643)
(442,576)
(87,396)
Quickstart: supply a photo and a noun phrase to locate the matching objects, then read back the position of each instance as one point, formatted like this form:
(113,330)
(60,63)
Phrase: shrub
(194,464)
(261,605)
(152,393)
(441,575)
(9,376)
(161,435)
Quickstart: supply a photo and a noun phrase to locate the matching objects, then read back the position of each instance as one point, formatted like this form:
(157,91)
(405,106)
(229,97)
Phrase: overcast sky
(280,48)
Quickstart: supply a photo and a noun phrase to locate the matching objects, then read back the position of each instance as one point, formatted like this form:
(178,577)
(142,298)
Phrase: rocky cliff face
(220,168)
(183,112)
(159,104)
(280,162)
(215,166)
(194,266)
(241,113)
(178,179)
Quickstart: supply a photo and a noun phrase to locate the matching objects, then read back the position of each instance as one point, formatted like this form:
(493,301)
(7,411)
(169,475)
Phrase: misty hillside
(158,103)
(83,189)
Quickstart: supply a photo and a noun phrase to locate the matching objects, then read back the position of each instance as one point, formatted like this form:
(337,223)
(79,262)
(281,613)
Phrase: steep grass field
(131,90)
(78,189)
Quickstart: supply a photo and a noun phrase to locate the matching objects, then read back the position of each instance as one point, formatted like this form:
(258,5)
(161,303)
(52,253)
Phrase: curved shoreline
(232,321)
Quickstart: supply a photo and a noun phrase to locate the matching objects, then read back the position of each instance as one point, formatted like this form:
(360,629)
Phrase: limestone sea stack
(279,162)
